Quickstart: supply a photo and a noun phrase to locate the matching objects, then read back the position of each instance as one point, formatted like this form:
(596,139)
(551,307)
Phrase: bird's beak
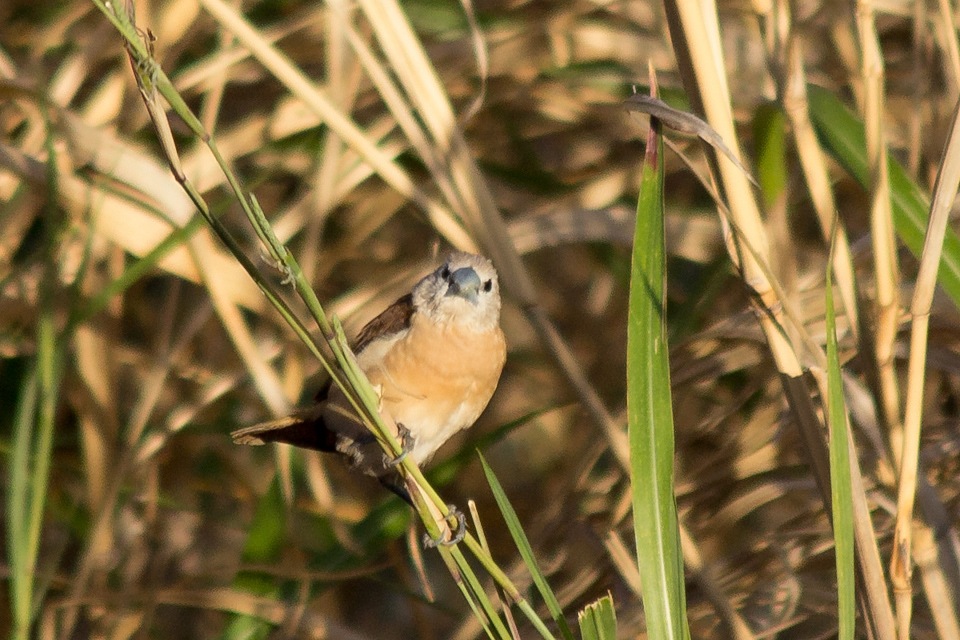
(464,283)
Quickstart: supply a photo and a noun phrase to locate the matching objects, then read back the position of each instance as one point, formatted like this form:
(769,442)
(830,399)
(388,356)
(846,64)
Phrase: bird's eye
(445,273)
(488,285)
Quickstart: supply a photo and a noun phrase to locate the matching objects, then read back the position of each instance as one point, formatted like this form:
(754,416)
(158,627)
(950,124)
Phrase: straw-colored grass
(375,135)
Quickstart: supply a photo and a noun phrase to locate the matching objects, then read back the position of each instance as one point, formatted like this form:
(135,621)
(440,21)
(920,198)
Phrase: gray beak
(464,283)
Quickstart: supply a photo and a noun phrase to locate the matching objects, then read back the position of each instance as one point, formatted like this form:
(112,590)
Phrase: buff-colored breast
(437,380)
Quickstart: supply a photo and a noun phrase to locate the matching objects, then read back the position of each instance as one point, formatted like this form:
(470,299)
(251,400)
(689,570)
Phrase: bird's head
(463,289)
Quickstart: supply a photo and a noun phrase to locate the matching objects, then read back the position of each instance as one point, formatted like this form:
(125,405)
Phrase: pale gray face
(464,288)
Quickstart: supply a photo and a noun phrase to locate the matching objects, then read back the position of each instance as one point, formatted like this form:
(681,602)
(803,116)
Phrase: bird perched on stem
(434,356)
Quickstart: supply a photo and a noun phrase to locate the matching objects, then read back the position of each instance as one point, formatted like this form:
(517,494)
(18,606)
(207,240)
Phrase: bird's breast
(437,380)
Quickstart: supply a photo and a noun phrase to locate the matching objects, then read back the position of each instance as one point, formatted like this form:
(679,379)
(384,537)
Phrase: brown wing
(394,318)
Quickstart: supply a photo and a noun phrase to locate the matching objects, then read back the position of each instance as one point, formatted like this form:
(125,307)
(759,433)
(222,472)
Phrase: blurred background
(151,344)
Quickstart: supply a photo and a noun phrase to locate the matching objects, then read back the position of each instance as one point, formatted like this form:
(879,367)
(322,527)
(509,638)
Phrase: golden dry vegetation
(132,342)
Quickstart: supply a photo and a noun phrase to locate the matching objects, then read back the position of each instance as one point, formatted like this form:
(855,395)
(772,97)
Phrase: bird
(434,356)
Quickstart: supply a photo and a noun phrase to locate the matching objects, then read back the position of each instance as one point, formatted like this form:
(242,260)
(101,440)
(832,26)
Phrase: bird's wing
(393,319)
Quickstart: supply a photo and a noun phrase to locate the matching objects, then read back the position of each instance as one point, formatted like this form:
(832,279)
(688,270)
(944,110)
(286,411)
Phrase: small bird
(435,357)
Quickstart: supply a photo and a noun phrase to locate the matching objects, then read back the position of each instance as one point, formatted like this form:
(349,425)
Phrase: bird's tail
(306,431)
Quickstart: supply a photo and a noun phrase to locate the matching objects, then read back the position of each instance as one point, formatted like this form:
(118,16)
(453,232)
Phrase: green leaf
(842,134)
(840,482)
(650,415)
(769,131)
(526,551)
(598,621)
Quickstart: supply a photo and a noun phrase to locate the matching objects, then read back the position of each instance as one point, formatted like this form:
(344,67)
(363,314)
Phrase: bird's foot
(448,537)
(406,446)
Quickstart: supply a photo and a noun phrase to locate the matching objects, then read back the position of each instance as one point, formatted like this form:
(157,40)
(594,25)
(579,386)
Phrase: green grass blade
(598,621)
(843,135)
(526,551)
(48,374)
(477,613)
(30,473)
(840,483)
(137,270)
(21,567)
(34,425)
(770,134)
(650,415)
(475,595)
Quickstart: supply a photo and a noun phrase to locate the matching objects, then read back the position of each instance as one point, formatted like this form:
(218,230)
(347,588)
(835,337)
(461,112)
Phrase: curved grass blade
(686,123)
(526,551)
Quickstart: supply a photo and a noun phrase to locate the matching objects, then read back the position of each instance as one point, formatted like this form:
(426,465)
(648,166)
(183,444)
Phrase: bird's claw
(406,446)
(458,535)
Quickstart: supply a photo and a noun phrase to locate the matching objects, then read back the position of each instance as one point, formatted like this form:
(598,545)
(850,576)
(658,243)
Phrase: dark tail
(304,431)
